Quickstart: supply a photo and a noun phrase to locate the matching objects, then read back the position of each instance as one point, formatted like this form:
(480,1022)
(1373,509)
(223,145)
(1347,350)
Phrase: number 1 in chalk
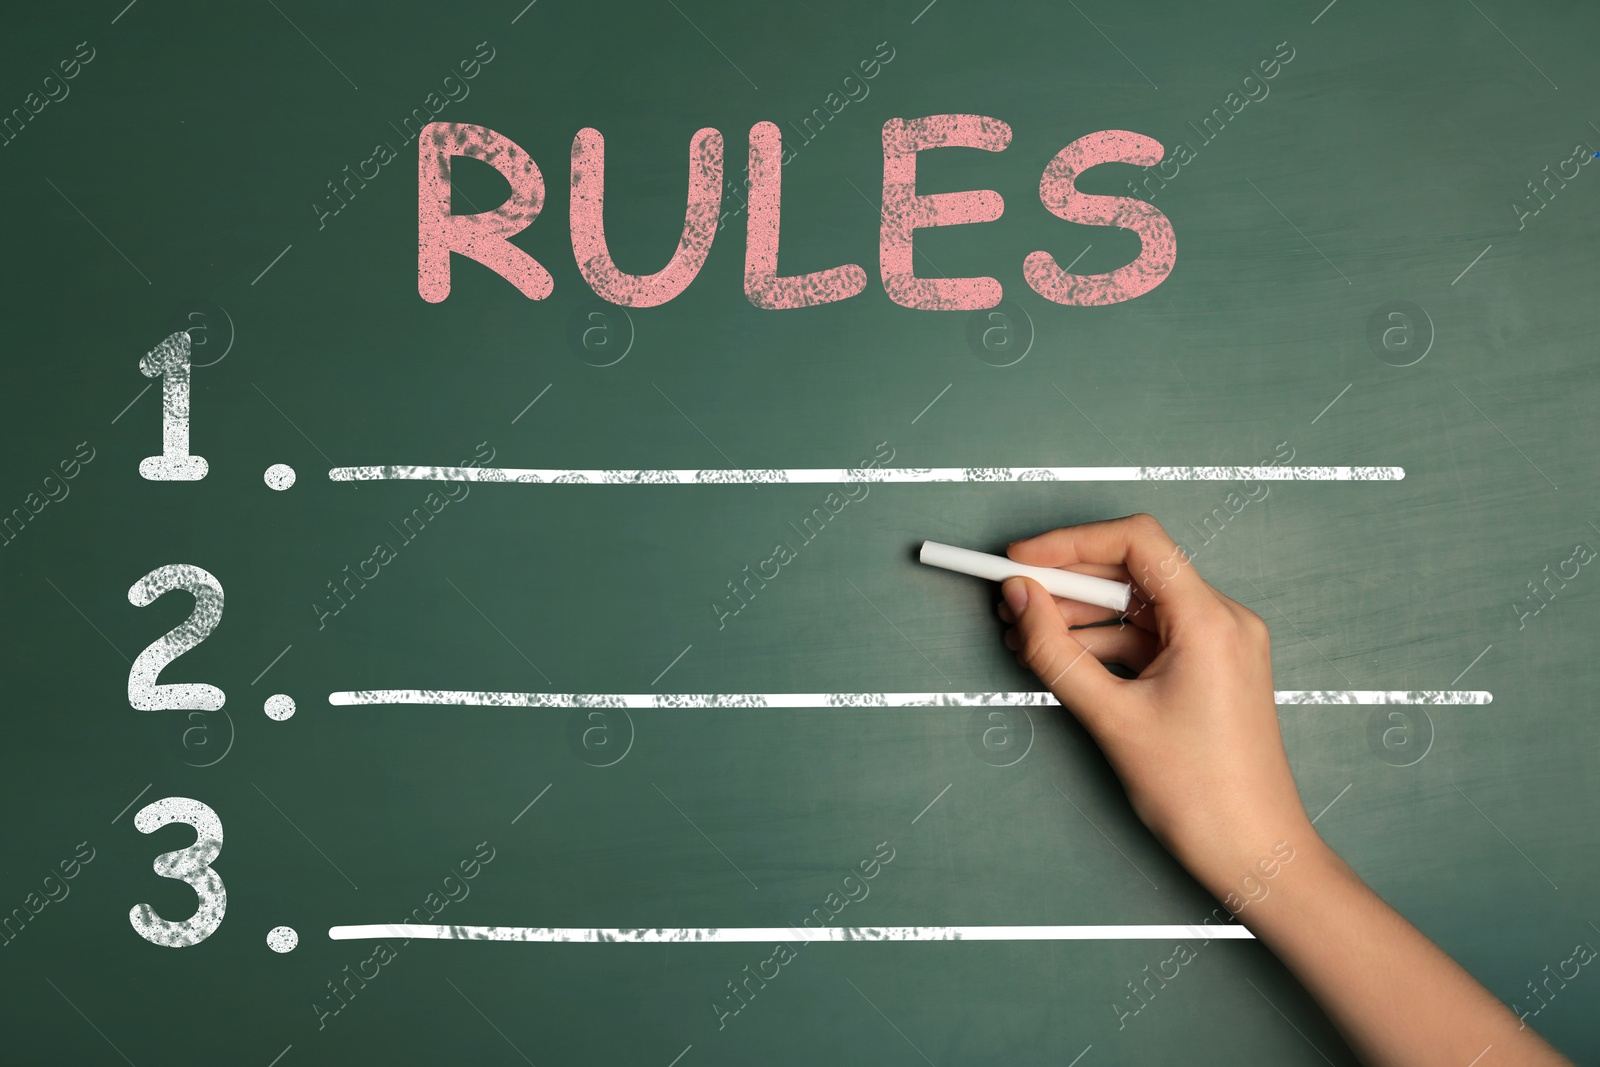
(169,361)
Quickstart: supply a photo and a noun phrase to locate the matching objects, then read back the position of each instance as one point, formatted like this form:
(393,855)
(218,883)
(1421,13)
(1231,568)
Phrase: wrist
(1244,870)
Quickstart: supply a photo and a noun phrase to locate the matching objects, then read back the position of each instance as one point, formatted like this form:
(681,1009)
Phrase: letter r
(485,236)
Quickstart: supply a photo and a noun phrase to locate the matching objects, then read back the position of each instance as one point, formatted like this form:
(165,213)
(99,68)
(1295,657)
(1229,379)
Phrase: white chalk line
(667,701)
(832,475)
(747,934)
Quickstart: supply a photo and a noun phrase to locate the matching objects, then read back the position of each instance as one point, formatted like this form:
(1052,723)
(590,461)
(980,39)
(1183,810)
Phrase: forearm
(1397,998)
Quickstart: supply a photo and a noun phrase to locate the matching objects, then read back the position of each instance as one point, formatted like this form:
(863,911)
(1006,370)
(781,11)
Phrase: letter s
(1159,245)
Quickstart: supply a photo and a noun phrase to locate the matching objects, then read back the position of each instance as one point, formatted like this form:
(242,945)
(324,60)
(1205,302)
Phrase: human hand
(1194,738)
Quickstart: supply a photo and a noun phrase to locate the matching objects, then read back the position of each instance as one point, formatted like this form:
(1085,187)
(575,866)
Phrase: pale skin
(1195,740)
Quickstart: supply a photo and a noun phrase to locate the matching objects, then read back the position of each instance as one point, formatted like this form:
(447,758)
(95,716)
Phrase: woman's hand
(1195,740)
(1194,737)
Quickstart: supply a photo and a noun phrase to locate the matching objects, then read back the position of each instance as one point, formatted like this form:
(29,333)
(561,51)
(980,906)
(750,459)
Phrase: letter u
(589,231)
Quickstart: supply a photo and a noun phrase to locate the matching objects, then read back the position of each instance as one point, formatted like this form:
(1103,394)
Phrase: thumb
(1063,664)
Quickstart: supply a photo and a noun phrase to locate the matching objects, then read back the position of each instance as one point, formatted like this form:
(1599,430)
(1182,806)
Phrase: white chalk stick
(1069,584)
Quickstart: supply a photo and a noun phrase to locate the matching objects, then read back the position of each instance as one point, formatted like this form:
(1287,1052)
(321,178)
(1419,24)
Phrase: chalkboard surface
(1363,271)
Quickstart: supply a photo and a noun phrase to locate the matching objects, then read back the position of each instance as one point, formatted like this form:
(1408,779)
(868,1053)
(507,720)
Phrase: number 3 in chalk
(143,692)
(169,361)
(191,865)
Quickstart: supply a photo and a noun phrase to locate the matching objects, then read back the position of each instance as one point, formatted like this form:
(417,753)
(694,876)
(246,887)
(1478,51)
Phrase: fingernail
(1015,590)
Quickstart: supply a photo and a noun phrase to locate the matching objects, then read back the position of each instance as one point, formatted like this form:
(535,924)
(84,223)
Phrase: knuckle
(1247,631)
(1254,625)
(1145,523)
(1216,618)
(1037,651)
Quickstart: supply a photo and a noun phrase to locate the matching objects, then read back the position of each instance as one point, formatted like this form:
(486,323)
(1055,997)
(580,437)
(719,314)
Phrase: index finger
(1161,571)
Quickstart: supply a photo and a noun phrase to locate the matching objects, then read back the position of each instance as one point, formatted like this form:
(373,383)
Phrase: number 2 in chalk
(169,361)
(144,694)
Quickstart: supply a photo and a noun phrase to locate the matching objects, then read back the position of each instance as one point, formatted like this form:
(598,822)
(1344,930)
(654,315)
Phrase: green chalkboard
(1367,257)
